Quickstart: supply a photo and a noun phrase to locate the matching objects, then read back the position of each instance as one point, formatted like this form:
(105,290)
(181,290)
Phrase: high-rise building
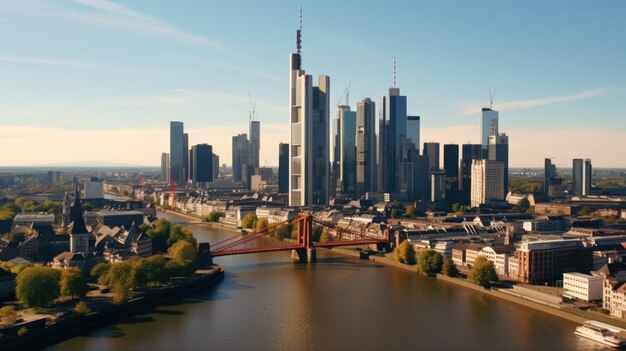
(488,127)
(177,152)
(190,165)
(202,164)
(186,174)
(165,167)
(432,151)
(421,178)
(451,167)
(347,154)
(241,159)
(216,167)
(437,185)
(581,177)
(334,169)
(413,131)
(365,147)
(393,127)
(549,173)
(309,134)
(255,143)
(469,153)
(283,168)
(499,151)
(487,182)
(94,188)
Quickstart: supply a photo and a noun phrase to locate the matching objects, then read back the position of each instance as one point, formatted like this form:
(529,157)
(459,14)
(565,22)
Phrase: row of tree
(164,235)
(431,262)
(39,286)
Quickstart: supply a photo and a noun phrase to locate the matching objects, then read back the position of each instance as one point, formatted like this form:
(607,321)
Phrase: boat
(602,333)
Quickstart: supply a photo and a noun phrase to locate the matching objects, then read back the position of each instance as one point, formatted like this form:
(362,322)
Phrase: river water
(268,302)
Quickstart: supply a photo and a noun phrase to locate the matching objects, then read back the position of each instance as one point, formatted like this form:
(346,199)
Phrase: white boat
(602,333)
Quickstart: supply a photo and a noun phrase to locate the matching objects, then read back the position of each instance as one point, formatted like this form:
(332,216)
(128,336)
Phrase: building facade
(177,152)
(365,147)
(488,127)
(499,151)
(241,157)
(581,177)
(347,150)
(487,182)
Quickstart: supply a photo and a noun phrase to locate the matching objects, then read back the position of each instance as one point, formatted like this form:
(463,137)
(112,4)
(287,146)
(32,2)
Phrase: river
(268,302)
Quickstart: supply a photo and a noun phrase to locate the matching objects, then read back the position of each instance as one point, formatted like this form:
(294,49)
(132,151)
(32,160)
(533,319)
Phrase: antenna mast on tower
(299,34)
(252,106)
(394,72)
(492,96)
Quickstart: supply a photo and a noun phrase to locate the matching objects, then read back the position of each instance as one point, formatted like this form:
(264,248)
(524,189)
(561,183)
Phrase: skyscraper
(255,143)
(431,150)
(202,157)
(216,167)
(487,182)
(469,153)
(581,177)
(177,152)
(499,151)
(451,167)
(347,153)
(365,147)
(488,127)
(393,127)
(413,130)
(309,134)
(283,168)
(165,166)
(186,174)
(241,151)
(549,173)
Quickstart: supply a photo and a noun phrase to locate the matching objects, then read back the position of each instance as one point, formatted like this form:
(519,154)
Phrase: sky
(99,81)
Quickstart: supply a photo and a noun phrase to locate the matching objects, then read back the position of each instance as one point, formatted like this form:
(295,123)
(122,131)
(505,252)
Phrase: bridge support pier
(305,255)
(311,255)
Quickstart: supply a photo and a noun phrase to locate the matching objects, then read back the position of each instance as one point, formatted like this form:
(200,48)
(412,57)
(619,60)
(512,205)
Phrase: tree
(261,224)
(522,206)
(483,272)
(99,272)
(457,208)
(178,233)
(157,274)
(429,261)
(404,253)
(87,206)
(410,210)
(118,278)
(185,255)
(326,237)
(449,268)
(8,315)
(584,211)
(73,283)
(81,308)
(14,238)
(37,286)
(215,216)
(317,232)
(22,331)
(159,233)
(396,213)
(249,220)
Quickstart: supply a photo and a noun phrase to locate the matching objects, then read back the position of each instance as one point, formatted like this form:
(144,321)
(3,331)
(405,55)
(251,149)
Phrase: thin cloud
(54,62)
(524,104)
(243,70)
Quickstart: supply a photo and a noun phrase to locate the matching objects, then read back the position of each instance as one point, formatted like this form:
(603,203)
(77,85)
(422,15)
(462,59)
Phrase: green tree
(87,206)
(8,315)
(100,271)
(14,238)
(261,224)
(157,274)
(326,237)
(429,261)
(449,268)
(483,272)
(185,255)
(37,286)
(396,213)
(404,253)
(317,232)
(249,220)
(584,211)
(178,233)
(215,216)
(73,283)
(458,208)
(159,233)
(118,278)
(81,308)
(409,210)
(523,206)
(22,331)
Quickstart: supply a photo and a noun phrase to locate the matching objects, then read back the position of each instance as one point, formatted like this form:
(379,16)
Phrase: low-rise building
(583,287)
(545,261)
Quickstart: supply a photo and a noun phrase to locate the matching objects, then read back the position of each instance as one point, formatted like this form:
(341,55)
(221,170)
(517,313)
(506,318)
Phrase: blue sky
(109,76)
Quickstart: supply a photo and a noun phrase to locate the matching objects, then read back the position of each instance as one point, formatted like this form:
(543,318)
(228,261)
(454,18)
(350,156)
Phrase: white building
(487,181)
(93,189)
(581,286)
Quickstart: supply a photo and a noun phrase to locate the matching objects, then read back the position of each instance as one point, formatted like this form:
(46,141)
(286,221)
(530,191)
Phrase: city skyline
(78,90)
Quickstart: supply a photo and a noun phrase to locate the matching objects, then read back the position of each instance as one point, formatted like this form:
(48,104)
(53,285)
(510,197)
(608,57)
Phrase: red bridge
(304,245)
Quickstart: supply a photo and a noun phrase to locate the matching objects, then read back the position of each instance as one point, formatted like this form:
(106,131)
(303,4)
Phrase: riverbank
(565,312)
(200,220)
(41,334)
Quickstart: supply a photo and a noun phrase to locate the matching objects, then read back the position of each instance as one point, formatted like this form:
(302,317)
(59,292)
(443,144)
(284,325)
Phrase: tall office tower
(581,177)
(241,158)
(469,152)
(177,152)
(255,143)
(499,151)
(451,167)
(93,188)
(202,160)
(393,127)
(186,174)
(549,173)
(283,168)
(165,166)
(421,178)
(487,182)
(190,165)
(365,147)
(432,151)
(334,169)
(309,134)
(413,131)
(347,154)
(216,167)
(437,185)
(488,127)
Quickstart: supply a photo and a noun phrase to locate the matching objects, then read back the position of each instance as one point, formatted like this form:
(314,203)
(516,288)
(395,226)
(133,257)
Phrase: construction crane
(346,94)
(492,96)
(252,107)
